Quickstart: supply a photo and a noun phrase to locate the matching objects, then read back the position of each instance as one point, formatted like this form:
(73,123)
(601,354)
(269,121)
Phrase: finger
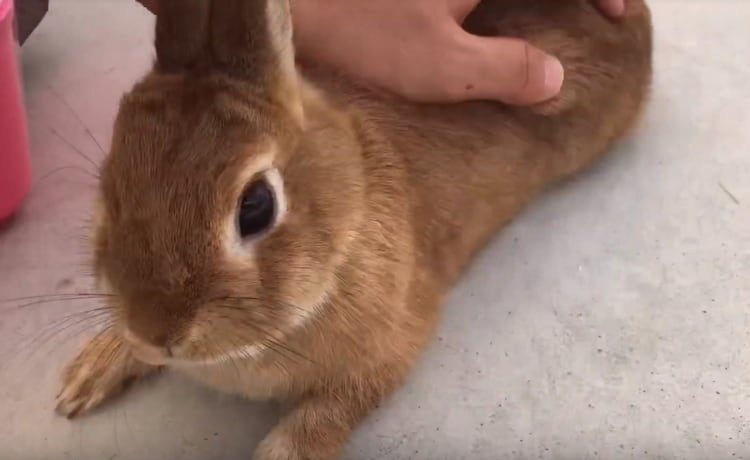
(151,5)
(460,9)
(613,8)
(509,70)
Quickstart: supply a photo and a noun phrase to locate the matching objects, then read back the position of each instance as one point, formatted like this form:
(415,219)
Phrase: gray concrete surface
(610,321)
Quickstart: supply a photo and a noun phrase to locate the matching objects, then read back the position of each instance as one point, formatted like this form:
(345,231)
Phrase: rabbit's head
(231,192)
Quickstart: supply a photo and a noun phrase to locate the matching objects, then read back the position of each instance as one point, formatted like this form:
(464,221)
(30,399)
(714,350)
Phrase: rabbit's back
(473,166)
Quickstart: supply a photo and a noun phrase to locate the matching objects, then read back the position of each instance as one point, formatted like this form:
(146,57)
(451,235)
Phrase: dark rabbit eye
(257,209)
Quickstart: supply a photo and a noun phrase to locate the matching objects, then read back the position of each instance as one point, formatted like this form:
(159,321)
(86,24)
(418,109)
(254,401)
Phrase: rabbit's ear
(182,29)
(249,40)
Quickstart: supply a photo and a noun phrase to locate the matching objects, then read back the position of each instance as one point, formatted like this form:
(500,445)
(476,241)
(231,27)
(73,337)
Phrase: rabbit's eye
(257,209)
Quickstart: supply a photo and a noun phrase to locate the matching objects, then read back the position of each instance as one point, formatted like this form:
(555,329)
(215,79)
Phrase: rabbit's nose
(148,353)
(150,326)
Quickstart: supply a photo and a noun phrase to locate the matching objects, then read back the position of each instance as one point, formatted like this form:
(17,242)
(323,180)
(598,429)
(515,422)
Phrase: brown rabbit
(291,235)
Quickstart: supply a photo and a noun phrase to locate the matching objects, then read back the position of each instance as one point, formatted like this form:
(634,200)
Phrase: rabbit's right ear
(182,30)
(249,40)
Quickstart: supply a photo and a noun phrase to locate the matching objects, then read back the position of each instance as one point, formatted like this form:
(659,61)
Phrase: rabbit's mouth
(180,356)
(246,353)
(177,356)
(199,346)
(147,353)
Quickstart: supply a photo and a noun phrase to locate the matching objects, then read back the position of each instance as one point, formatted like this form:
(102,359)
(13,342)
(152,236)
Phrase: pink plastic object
(15,165)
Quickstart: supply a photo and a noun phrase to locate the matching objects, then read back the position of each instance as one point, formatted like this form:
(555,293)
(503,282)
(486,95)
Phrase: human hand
(613,8)
(152,5)
(417,49)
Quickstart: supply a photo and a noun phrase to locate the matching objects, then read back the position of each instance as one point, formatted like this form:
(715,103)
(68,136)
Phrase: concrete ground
(610,321)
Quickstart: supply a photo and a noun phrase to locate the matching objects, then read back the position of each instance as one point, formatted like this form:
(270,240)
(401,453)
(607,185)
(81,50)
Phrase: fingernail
(554,75)
(616,7)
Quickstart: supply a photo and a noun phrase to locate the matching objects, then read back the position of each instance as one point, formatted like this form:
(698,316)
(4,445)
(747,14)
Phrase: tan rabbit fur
(381,204)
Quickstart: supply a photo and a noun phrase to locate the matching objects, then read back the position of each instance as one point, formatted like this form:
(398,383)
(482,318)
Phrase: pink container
(15,165)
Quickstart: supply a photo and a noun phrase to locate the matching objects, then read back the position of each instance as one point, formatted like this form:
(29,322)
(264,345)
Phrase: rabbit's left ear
(250,40)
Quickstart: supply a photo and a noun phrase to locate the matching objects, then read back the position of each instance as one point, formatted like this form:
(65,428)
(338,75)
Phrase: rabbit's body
(388,201)
(470,167)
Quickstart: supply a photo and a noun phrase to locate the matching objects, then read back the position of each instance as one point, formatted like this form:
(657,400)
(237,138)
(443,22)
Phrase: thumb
(151,5)
(460,9)
(510,70)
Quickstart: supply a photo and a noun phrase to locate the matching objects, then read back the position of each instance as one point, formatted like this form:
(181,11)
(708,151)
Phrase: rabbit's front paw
(277,446)
(103,369)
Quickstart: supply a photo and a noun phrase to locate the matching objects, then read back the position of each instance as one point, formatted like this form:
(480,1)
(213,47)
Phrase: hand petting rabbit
(289,233)
(417,49)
